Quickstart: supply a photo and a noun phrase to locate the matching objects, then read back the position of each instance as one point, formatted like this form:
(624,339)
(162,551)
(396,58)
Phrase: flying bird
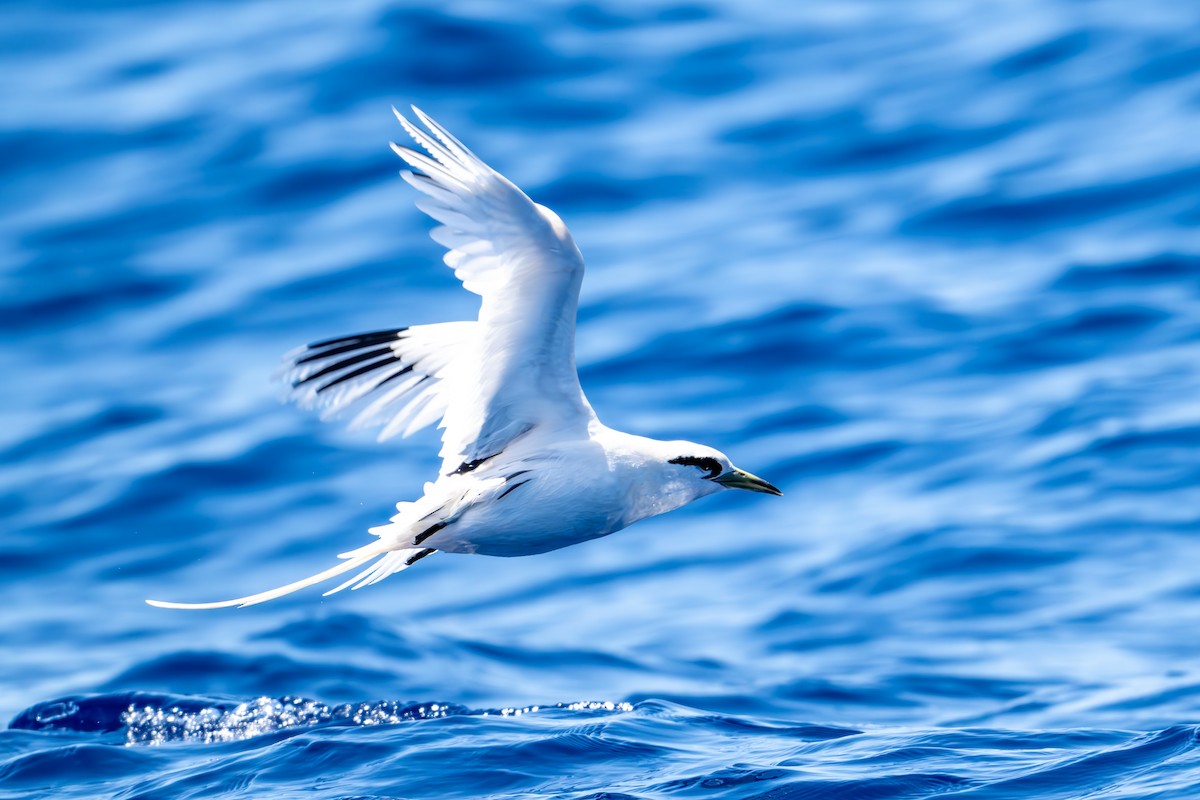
(526,465)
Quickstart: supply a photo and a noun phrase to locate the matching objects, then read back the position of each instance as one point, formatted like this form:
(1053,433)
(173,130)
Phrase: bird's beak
(740,479)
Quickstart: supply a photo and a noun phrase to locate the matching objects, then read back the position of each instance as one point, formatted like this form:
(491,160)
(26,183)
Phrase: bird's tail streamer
(391,561)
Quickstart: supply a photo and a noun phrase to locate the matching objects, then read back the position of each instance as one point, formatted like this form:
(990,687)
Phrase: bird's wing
(520,257)
(393,378)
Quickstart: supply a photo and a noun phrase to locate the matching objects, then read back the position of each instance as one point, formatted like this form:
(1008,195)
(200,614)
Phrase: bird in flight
(526,465)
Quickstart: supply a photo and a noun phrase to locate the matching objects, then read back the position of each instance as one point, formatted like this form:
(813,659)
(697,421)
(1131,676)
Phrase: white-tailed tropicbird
(526,465)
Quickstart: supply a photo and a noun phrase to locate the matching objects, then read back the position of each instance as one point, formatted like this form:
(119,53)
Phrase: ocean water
(933,269)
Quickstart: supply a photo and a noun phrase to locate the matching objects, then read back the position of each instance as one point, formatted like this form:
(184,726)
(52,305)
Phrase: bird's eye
(709,465)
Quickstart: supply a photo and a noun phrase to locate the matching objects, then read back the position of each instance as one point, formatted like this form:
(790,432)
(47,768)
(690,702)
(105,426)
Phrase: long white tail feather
(357,558)
(390,564)
(370,548)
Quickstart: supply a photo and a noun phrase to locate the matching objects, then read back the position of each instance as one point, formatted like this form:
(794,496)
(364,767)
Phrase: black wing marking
(415,557)
(430,531)
(472,465)
(517,485)
(389,377)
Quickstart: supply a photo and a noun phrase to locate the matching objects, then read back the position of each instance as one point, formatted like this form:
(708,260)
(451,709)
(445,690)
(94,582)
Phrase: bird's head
(707,470)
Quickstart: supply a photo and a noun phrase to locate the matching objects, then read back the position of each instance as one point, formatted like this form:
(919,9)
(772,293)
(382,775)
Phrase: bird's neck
(652,484)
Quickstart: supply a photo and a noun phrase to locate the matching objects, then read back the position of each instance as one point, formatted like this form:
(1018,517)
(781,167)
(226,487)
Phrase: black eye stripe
(709,465)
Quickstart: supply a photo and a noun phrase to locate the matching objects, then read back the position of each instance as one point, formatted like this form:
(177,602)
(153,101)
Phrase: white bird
(526,465)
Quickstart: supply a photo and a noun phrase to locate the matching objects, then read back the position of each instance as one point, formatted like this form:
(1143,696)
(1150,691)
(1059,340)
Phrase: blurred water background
(931,268)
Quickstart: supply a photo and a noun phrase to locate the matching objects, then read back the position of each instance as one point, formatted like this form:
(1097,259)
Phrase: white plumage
(526,465)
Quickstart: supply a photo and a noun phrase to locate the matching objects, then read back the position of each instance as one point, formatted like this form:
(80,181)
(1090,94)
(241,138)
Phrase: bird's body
(526,465)
(544,496)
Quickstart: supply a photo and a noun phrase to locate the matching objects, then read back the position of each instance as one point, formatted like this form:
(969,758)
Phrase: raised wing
(393,378)
(520,257)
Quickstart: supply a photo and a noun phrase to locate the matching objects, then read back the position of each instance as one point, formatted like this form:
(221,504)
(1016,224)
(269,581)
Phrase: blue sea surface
(932,268)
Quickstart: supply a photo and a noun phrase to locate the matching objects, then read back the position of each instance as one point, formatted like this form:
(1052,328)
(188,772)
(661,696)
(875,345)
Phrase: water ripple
(936,274)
